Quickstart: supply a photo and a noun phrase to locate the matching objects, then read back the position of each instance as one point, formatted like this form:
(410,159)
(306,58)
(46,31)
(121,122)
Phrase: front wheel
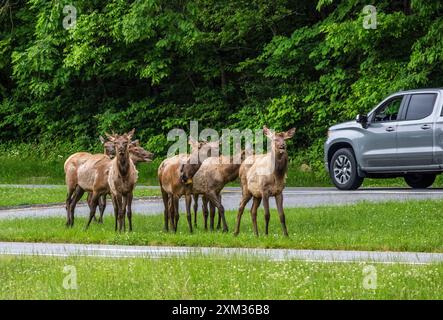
(343,170)
(420,181)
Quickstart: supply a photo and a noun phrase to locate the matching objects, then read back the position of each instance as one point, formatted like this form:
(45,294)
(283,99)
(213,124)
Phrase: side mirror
(362,119)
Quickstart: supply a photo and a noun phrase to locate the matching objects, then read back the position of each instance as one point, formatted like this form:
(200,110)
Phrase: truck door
(378,146)
(415,142)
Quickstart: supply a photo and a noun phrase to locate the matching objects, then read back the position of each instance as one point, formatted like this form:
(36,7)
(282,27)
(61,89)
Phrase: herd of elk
(91,173)
(175,178)
(189,175)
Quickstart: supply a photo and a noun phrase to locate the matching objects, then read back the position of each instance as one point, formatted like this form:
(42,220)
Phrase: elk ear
(267,132)
(130,134)
(289,134)
(193,143)
(110,137)
(102,140)
(135,143)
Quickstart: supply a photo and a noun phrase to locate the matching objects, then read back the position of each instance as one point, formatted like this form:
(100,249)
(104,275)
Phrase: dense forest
(157,64)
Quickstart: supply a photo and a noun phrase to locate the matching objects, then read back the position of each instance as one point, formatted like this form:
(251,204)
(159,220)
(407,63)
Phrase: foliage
(157,64)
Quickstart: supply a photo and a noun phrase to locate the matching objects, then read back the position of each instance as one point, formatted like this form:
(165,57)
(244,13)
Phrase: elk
(71,178)
(71,166)
(263,176)
(210,179)
(91,176)
(175,178)
(137,155)
(121,179)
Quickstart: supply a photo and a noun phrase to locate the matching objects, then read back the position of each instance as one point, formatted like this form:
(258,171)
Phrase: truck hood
(346,125)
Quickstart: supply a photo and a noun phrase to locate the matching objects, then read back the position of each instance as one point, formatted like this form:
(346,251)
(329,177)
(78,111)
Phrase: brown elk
(210,179)
(137,154)
(121,179)
(263,176)
(91,176)
(175,178)
(71,178)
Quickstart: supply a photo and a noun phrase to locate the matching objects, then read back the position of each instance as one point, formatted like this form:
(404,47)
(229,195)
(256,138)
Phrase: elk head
(198,151)
(109,147)
(121,143)
(278,139)
(139,154)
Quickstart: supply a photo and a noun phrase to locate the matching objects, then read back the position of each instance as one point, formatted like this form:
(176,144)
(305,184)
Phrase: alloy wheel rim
(342,169)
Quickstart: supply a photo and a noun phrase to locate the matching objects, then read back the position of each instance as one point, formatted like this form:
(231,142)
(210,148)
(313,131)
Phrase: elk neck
(281,163)
(123,164)
(230,171)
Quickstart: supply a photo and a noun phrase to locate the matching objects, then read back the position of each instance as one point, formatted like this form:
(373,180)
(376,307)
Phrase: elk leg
(166,211)
(244,201)
(212,215)
(195,209)
(188,200)
(171,212)
(213,197)
(68,204)
(93,202)
(115,205)
(205,211)
(119,202)
(281,213)
(219,216)
(122,213)
(77,196)
(101,207)
(267,213)
(254,208)
(176,211)
(88,200)
(129,210)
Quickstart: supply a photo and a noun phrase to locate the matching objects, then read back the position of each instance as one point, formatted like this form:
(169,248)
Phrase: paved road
(293,197)
(114,251)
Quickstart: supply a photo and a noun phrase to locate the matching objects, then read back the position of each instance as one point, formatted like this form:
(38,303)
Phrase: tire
(343,170)
(420,181)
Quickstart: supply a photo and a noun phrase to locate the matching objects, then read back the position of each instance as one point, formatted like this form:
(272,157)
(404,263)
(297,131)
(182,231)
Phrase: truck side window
(420,106)
(389,111)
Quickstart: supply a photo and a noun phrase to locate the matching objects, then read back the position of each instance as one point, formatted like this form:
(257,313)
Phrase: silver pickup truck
(401,137)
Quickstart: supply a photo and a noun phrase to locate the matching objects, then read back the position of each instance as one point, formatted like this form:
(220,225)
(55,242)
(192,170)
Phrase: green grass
(200,278)
(392,226)
(43,164)
(33,171)
(15,196)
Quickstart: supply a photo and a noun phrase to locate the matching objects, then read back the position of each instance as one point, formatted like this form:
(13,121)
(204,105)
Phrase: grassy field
(14,196)
(200,278)
(404,226)
(28,164)
(34,172)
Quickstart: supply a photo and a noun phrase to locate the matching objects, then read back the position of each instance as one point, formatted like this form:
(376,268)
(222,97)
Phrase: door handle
(390,129)
(426,126)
